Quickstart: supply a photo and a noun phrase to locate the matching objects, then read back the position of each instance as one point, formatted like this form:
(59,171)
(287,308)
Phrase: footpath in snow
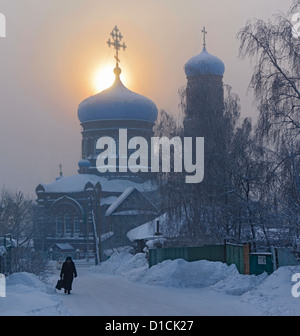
(125,286)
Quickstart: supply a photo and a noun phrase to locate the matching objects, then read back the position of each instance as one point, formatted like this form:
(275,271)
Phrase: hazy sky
(54,48)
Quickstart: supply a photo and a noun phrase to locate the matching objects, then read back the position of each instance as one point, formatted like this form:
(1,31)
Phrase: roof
(204,63)
(119,200)
(73,183)
(117,103)
(137,205)
(80,182)
(147,230)
(63,246)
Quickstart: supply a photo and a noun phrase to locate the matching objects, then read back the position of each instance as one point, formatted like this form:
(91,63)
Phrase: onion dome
(204,64)
(117,103)
(84,163)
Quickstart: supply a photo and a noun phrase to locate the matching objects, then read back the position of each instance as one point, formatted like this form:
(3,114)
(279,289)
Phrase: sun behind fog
(103,79)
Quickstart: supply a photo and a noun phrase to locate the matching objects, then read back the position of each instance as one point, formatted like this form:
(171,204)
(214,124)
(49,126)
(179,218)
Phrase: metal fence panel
(260,263)
(208,252)
(235,255)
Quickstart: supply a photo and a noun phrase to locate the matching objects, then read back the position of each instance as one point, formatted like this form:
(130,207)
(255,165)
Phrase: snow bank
(123,263)
(29,281)
(180,273)
(273,295)
(238,284)
(266,295)
(26,295)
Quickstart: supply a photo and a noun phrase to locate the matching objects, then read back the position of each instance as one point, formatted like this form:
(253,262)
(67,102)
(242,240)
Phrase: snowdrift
(267,295)
(180,273)
(26,295)
(271,294)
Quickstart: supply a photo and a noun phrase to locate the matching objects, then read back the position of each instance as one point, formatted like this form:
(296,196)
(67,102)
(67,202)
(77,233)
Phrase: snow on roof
(119,200)
(73,183)
(106,236)
(63,246)
(117,103)
(147,230)
(204,63)
(108,200)
(130,212)
(78,182)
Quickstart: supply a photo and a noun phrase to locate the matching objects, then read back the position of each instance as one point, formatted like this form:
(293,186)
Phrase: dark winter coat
(68,271)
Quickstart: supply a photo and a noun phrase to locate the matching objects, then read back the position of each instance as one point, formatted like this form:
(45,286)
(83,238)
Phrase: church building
(78,209)
(93,208)
(204,114)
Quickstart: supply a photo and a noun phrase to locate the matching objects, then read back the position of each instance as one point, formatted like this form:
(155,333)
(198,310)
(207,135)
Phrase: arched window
(76,225)
(68,225)
(59,226)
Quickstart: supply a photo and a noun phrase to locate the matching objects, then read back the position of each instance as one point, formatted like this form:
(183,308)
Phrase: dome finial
(204,31)
(117,71)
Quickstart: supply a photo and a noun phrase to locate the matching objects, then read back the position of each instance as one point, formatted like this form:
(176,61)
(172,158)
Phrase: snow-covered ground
(125,286)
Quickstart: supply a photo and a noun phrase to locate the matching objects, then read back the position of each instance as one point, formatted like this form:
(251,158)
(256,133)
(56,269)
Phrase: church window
(68,224)
(76,225)
(59,226)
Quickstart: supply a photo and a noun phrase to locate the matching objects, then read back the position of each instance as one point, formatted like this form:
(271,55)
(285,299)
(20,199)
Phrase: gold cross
(204,37)
(116,43)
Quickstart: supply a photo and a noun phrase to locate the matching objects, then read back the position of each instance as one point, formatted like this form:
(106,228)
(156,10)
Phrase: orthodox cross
(60,170)
(204,31)
(116,43)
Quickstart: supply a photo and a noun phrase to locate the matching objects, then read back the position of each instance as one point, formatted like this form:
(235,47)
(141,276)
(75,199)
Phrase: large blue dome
(117,103)
(204,64)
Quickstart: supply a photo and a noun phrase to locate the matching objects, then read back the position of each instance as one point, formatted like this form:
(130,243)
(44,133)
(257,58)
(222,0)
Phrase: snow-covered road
(113,295)
(124,285)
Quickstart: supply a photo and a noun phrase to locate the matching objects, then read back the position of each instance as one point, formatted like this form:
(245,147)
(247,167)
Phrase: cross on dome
(60,170)
(204,31)
(116,43)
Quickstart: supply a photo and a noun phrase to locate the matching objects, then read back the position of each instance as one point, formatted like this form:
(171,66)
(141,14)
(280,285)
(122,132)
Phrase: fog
(53,48)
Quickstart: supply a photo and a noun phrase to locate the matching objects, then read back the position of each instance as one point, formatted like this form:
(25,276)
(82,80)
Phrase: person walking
(67,274)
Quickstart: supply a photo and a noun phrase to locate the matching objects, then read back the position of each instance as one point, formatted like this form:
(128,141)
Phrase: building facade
(73,209)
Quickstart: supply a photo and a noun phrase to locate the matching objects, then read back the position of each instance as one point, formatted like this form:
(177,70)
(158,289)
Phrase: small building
(148,235)
(62,248)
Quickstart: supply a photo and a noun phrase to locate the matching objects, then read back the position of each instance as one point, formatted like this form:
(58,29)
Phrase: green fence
(260,263)
(235,255)
(239,255)
(207,252)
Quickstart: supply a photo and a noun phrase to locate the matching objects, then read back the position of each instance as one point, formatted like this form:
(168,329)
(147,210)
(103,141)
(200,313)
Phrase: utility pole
(97,255)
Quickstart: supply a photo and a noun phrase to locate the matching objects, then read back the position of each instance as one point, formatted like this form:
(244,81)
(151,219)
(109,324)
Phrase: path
(109,295)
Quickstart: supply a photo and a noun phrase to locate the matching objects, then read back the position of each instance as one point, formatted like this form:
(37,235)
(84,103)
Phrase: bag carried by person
(60,284)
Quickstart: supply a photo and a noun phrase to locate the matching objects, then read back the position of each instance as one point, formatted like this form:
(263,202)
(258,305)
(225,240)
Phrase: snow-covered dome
(84,163)
(117,103)
(203,64)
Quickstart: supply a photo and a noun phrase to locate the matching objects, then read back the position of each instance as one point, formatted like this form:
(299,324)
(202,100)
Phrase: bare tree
(17,218)
(275,52)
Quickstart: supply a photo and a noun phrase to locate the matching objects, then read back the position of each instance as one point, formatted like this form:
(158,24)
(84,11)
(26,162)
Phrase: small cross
(60,170)
(116,42)
(204,31)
